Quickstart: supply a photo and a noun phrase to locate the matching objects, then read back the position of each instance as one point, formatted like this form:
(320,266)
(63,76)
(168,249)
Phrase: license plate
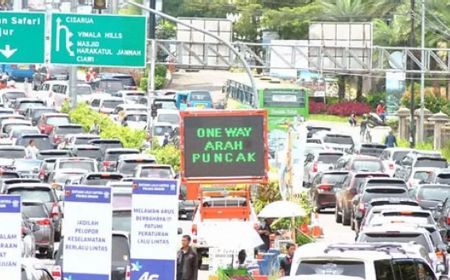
(24,67)
(200,106)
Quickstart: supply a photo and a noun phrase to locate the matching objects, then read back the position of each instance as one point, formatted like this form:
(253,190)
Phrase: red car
(50,120)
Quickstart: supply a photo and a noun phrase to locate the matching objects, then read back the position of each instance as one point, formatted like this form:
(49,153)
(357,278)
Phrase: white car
(105,105)
(336,141)
(168,116)
(360,261)
(135,120)
(130,96)
(390,158)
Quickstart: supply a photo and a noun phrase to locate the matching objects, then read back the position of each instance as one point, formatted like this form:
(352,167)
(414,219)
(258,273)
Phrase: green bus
(283,101)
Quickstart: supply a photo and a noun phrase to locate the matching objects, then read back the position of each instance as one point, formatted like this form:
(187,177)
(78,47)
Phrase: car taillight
(362,207)
(391,166)
(55,211)
(448,220)
(128,273)
(43,222)
(56,272)
(24,231)
(325,188)
(107,163)
(194,233)
(315,167)
(42,174)
(440,255)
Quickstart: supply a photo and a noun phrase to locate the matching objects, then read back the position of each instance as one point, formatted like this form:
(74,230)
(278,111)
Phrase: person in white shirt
(32,150)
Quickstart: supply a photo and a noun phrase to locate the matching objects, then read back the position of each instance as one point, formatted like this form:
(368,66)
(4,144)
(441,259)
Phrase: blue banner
(154,226)
(87,194)
(10,204)
(10,237)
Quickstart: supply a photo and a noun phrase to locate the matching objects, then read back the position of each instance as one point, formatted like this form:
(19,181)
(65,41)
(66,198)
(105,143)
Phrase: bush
(348,108)
(332,100)
(86,117)
(374,98)
(432,102)
(317,107)
(160,78)
(168,154)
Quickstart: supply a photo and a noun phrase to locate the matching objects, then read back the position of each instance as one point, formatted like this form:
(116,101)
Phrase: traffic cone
(316,229)
(304,228)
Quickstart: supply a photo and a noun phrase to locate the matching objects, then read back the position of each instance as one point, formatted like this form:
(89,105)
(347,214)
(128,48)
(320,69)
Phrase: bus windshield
(281,98)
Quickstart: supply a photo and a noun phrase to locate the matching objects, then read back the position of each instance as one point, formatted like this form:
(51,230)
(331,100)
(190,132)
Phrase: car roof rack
(380,247)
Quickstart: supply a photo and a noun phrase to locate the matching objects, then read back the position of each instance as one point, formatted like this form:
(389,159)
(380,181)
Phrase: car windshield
(399,155)
(367,165)
(27,164)
(383,192)
(338,139)
(85,165)
(89,153)
(128,167)
(12,153)
(122,221)
(37,194)
(169,105)
(34,211)
(42,143)
(56,121)
(26,105)
(111,104)
(101,180)
(156,173)
(422,176)
(110,86)
(62,178)
(329,158)
(169,118)
(84,90)
(10,96)
(399,237)
(160,130)
(136,118)
(68,130)
(443,179)
(201,96)
(436,193)
(437,163)
(333,178)
(331,267)
(120,249)
(114,155)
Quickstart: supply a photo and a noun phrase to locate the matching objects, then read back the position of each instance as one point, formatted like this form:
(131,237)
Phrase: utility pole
(151,72)
(73,69)
(422,76)
(412,130)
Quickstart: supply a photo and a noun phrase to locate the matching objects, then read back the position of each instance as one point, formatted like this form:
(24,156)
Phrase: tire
(49,254)
(57,236)
(345,218)
(337,216)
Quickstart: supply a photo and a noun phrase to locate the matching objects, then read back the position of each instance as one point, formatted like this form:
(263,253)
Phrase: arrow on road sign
(8,52)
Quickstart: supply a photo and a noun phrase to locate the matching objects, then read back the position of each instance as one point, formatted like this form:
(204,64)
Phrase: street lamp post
(239,55)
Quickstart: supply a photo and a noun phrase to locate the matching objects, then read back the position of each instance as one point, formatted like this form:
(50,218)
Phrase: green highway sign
(22,38)
(98,40)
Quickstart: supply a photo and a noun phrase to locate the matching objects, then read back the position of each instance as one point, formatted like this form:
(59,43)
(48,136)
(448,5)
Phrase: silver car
(44,234)
(319,161)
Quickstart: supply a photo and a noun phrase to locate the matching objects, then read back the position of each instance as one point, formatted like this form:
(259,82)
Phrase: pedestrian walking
(166,139)
(187,261)
(352,120)
(286,262)
(391,141)
(32,150)
(364,129)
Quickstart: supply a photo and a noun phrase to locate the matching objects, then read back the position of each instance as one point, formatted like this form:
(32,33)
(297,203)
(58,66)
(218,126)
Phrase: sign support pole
(237,53)
(73,70)
(151,72)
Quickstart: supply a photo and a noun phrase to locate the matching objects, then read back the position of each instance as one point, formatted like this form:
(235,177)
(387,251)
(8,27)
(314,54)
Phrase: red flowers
(340,109)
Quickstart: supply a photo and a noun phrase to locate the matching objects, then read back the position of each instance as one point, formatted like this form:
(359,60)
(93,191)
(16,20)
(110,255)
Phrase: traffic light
(99,4)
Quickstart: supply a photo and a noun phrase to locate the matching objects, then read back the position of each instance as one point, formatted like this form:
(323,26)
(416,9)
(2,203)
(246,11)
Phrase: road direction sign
(22,38)
(98,40)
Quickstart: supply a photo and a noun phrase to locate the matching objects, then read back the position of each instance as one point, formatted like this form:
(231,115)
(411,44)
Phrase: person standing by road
(286,262)
(391,141)
(187,261)
(381,111)
(264,232)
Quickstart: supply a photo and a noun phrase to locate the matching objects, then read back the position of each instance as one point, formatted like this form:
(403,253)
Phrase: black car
(119,257)
(323,188)
(34,114)
(429,196)
(42,141)
(127,79)
(371,149)
(107,85)
(49,72)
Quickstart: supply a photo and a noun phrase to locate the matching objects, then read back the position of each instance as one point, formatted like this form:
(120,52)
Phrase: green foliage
(267,194)
(374,98)
(446,151)
(166,30)
(432,102)
(130,10)
(168,154)
(426,146)
(160,78)
(86,117)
